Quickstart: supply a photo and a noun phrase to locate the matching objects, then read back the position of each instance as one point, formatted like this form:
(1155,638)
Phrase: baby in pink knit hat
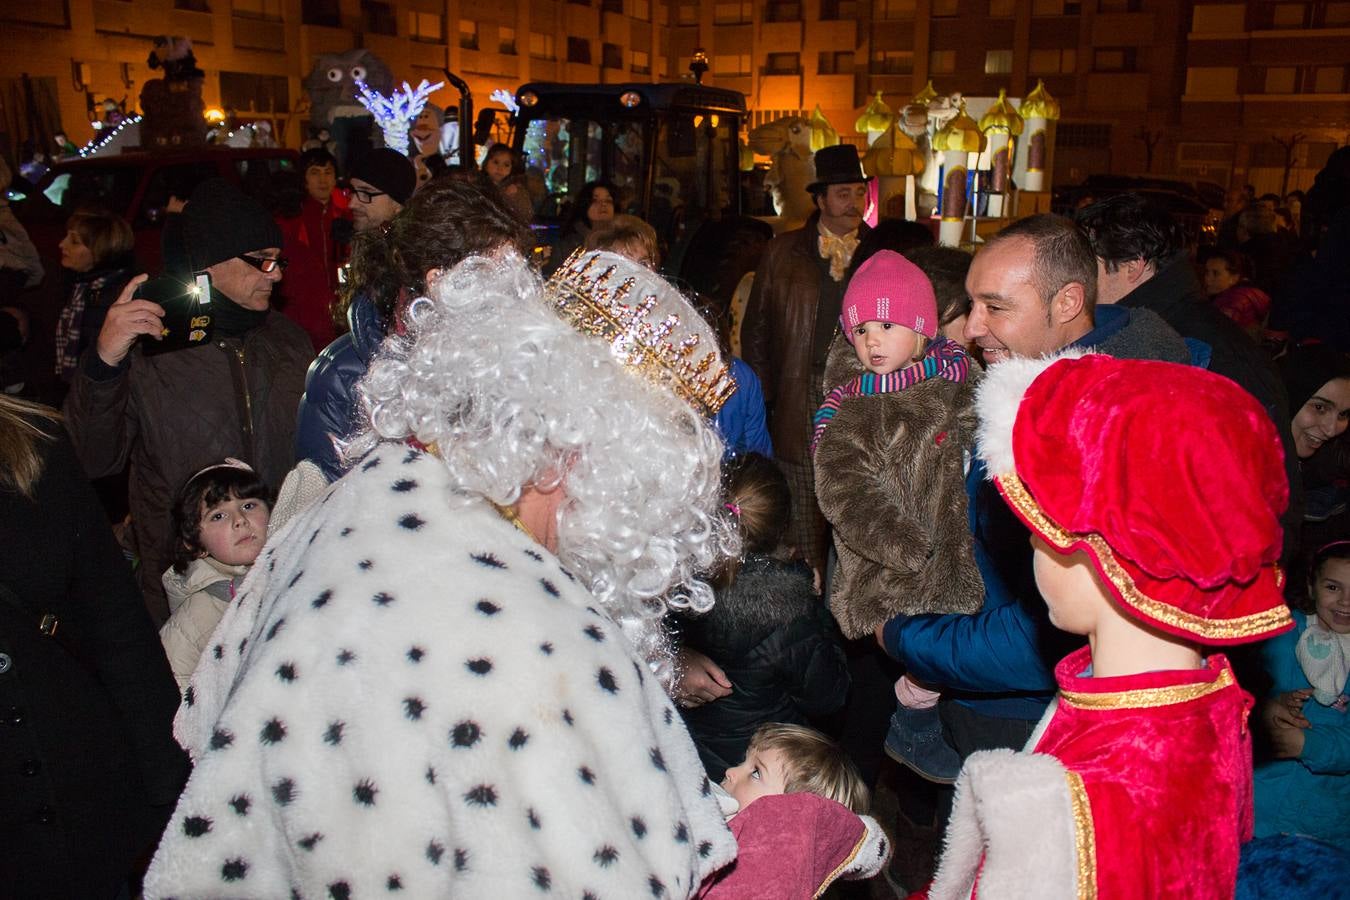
(892,442)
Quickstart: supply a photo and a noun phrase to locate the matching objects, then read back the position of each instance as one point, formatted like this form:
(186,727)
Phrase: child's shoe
(915,741)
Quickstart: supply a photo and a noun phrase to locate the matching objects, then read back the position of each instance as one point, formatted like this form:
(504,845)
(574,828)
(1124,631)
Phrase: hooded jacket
(777,645)
(889,477)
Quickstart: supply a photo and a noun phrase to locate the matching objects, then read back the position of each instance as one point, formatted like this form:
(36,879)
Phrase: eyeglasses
(367,196)
(266,264)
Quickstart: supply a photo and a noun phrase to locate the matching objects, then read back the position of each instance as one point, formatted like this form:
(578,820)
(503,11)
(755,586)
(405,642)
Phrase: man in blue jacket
(1033,290)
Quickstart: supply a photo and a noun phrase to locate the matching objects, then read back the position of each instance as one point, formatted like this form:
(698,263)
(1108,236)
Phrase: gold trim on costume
(839,869)
(1146,698)
(1252,625)
(1085,836)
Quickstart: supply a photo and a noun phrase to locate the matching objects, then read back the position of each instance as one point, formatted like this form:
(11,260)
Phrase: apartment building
(1197,87)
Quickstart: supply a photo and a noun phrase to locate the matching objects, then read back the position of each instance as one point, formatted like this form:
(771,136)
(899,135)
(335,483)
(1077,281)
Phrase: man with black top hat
(790,320)
(173,413)
(381,183)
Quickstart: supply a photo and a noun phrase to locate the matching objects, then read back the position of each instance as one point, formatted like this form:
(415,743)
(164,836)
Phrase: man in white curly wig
(447,676)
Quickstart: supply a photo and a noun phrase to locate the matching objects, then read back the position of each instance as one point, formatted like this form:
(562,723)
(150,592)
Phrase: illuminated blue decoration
(506,99)
(395,113)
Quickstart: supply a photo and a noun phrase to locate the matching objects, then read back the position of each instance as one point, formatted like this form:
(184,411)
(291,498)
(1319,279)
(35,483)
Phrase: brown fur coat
(890,478)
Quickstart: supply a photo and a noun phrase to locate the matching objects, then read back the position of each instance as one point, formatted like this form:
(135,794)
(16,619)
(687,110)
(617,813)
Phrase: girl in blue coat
(1306,788)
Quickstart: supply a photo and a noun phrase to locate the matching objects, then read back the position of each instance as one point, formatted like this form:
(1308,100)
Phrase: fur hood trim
(997,400)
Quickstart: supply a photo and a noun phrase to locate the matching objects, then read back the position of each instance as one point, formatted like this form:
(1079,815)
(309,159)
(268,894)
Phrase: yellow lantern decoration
(1001,117)
(876,118)
(925,96)
(961,133)
(746,156)
(893,154)
(822,132)
(1039,104)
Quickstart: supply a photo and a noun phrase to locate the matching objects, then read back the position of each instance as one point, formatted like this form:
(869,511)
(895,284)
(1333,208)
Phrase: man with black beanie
(173,413)
(382,181)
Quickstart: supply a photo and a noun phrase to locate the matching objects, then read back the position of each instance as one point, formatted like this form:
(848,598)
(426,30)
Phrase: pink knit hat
(890,288)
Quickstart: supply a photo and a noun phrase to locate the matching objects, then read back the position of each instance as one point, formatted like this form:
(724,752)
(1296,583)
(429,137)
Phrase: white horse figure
(787,141)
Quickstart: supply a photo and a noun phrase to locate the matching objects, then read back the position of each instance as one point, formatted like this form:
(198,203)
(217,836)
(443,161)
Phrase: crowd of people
(480,570)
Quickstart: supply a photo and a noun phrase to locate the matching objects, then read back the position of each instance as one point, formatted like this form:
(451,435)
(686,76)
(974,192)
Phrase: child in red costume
(1153,493)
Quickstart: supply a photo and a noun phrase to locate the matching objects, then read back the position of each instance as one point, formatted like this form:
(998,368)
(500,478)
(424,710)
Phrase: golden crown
(649,326)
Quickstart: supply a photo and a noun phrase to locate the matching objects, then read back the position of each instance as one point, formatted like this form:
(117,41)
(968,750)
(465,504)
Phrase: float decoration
(960,142)
(1039,109)
(395,113)
(822,132)
(875,119)
(1001,124)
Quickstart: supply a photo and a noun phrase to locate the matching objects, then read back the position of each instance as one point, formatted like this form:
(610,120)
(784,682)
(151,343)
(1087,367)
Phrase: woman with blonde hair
(88,690)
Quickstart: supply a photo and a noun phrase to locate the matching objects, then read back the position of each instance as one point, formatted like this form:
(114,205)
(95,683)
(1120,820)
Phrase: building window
(1114,5)
(468,34)
(1328,80)
(541,46)
(893,9)
(378,17)
(1219,18)
(258,9)
(425,27)
(1083,135)
(998,62)
(1336,15)
(612,6)
(580,2)
(783,64)
(1281,79)
(611,56)
(731,64)
(835,62)
(1056,7)
(640,62)
(256,93)
(686,12)
(733,13)
(1114,59)
(1053,62)
(321,12)
(1289,15)
(641,9)
(942,8)
(192,5)
(1002,9)
(892,62)
(578,50)
(1212,81)
(506,40)
(783,11)
(836,10)
(942,62)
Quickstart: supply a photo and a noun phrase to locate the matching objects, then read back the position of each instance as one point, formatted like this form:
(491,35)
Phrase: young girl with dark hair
(768,631)
(1305,788)
(220,518)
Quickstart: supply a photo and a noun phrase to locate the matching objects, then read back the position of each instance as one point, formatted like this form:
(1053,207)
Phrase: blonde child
(797,806)
(220,519)
(892,443)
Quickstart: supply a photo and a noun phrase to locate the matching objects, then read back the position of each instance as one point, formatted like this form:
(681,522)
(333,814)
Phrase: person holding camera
(230,389)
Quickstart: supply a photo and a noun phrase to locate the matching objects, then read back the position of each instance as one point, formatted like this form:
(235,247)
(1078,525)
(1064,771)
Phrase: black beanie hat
(388,170)
(220,223)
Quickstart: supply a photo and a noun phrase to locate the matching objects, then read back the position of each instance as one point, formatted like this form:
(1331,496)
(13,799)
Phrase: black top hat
(839,164)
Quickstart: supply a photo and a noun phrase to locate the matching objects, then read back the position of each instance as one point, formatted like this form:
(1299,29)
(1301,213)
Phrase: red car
(137,185)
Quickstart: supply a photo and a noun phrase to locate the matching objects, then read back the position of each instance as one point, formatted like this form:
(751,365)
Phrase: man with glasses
(382,181)
(171,414)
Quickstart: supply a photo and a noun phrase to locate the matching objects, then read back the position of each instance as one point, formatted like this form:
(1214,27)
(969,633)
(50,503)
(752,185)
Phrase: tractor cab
(670,150)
